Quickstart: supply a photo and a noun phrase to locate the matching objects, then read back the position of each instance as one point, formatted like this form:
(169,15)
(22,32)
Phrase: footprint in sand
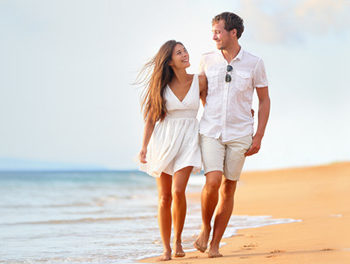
(276,251)
(249,246)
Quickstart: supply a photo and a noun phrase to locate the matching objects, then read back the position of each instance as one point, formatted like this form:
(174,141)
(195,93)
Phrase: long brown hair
(157,74)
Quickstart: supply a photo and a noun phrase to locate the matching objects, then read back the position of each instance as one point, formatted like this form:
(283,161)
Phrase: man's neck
(231,52)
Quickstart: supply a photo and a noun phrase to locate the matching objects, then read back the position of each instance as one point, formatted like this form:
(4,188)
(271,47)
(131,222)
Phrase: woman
(170,149)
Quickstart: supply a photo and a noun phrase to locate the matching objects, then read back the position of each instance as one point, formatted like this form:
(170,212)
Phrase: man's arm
(263,116)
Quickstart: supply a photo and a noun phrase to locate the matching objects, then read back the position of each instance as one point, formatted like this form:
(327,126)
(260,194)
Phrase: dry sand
(319,196)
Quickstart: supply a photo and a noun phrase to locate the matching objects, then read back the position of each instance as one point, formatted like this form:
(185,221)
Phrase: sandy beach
(319,196)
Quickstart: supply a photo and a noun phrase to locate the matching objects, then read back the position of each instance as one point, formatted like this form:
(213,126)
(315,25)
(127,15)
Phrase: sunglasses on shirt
(228,77)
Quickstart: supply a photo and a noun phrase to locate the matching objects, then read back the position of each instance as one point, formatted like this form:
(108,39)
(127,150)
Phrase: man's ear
(234,32)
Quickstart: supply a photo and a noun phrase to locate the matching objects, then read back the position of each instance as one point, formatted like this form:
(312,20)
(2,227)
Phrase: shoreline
(318,196)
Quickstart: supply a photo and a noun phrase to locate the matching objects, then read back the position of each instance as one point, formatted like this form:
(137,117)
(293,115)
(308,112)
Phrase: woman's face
(180,57)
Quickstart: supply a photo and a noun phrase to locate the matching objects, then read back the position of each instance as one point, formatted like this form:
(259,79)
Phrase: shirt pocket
(243,80)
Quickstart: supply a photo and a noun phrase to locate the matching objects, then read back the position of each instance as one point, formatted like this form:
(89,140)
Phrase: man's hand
(255,147)
(252,111)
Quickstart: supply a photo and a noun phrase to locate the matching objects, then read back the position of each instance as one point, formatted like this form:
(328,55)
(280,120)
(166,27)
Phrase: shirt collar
(238,56)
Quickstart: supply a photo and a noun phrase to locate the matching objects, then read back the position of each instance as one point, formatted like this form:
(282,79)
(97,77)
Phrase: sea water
(91,217)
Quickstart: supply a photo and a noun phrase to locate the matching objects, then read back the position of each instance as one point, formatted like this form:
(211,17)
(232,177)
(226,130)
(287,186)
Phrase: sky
(67,68)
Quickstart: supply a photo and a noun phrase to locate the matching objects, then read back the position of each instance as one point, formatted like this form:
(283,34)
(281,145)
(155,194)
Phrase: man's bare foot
(179,252)
(214,253)
(201,242)
(166,256)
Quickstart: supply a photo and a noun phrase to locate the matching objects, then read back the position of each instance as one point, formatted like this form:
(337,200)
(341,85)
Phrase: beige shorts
(227,157)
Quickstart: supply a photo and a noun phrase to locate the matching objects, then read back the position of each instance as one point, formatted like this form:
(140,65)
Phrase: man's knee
(213,181)
(228,188)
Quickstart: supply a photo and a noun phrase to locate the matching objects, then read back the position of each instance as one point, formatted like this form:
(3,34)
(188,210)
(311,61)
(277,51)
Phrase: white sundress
(174,142)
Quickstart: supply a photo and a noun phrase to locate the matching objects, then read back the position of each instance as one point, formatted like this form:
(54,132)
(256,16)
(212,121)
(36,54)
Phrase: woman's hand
(142,155)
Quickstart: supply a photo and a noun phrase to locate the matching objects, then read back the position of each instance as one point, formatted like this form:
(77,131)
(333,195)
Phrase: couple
(171,147)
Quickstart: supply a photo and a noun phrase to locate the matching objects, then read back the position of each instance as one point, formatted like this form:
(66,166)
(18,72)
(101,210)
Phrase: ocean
(91,217)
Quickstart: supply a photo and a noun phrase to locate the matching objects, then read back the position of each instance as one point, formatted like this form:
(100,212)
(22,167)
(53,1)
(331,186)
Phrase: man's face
(222,37)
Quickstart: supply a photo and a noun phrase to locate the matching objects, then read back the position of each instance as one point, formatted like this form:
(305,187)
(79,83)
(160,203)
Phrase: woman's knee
(165,200)
(178,193)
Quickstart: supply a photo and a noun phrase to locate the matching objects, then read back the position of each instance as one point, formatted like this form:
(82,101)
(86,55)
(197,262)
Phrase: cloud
(290,21)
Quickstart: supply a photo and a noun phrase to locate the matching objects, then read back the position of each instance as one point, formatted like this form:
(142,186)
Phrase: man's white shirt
(227,112)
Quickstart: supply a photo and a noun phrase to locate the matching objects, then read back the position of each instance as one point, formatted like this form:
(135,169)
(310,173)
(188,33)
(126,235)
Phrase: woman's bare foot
(201,242)
(166,256)
(179,252)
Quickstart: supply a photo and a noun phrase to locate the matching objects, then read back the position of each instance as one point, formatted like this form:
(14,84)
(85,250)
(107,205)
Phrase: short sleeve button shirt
(227,112)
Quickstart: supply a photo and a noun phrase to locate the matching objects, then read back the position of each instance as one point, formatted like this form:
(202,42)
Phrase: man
(226,128)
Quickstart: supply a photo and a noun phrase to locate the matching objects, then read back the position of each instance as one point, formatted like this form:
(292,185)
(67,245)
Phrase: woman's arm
(203,88)
(147,133)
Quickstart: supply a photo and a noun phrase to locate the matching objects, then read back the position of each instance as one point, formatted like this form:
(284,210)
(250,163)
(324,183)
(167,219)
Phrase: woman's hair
(157,73)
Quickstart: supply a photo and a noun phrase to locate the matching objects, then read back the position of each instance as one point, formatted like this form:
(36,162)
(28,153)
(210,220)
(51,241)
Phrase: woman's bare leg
(179,207)
(164,183)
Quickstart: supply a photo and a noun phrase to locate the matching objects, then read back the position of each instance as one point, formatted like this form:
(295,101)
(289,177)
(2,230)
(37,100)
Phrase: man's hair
(231,21)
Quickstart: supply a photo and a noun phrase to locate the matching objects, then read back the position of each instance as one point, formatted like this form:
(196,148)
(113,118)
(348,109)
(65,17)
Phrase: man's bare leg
(179,207)
(164,183)
(223,214)
(209,200)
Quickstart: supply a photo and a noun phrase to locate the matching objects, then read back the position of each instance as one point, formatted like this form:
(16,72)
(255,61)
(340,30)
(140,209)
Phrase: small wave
(69,205)
(79,221)
(97,212)
(20,206)
(107,199)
